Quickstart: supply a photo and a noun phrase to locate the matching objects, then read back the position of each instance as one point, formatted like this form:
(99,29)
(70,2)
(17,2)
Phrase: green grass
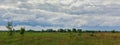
(32,38)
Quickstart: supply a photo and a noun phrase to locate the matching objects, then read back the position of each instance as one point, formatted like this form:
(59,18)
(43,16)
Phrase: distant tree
(10,28)
(99,31)
(50,30)
(74,30)
(88,31)
(61,30)
(22,30)
(42,30)
(79,30)
(14,30)
(68,30)
(113,31)
(31,30)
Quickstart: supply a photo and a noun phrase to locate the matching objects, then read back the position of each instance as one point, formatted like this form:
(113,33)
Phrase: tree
(74,30)
(13,30)
(68,30)
(79,30)
(50,30)
(22,30)
(61,30)
(113,31)
(42,30)
(10,28)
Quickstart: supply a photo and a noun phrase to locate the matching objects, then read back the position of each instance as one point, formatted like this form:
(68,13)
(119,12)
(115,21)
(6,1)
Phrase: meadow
(58,38)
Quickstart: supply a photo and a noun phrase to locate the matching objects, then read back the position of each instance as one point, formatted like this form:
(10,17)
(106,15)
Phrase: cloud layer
(38,14)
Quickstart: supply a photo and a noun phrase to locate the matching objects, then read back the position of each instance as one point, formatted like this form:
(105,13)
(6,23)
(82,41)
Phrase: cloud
(60,13)
(3,28)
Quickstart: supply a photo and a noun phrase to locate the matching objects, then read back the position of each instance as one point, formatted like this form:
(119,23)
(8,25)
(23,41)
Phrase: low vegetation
(58,37)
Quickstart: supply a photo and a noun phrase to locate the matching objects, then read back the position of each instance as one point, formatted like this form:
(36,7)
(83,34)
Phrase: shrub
(113,31)
(22,30)
(79,30)
(74,30)
(10,27)
(68,30)
(50,30)
(61,30)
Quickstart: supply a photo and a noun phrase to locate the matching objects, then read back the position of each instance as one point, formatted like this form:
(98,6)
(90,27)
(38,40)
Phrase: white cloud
(18,17)
(3,28)
(66,13)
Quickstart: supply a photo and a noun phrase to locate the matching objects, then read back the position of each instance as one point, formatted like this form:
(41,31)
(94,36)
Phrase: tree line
(11,29)
(72,30)
(22,30)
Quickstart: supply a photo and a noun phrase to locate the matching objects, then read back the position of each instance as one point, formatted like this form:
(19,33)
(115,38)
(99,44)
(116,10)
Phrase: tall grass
(57,38)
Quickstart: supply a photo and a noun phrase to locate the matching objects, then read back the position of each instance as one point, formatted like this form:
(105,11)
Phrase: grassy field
(32,38)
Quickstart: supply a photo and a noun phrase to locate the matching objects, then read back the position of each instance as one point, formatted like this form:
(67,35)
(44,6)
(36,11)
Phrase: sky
(46,14)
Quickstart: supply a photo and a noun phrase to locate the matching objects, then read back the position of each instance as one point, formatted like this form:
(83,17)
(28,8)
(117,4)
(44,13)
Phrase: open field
(57,38)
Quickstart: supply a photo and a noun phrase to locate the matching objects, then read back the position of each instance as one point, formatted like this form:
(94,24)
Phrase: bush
(74,30)
(10,28)
(22,31)
(50,30)
(68,30)
(61,30)
(79,30)
(113,31)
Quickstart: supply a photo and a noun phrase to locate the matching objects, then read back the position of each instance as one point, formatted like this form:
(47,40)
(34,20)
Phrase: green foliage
(61,30)
(74,30)
(22,30)
(68,30)
(113,31)
(50,30)
(42,30)
(79,30)
(10,27)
